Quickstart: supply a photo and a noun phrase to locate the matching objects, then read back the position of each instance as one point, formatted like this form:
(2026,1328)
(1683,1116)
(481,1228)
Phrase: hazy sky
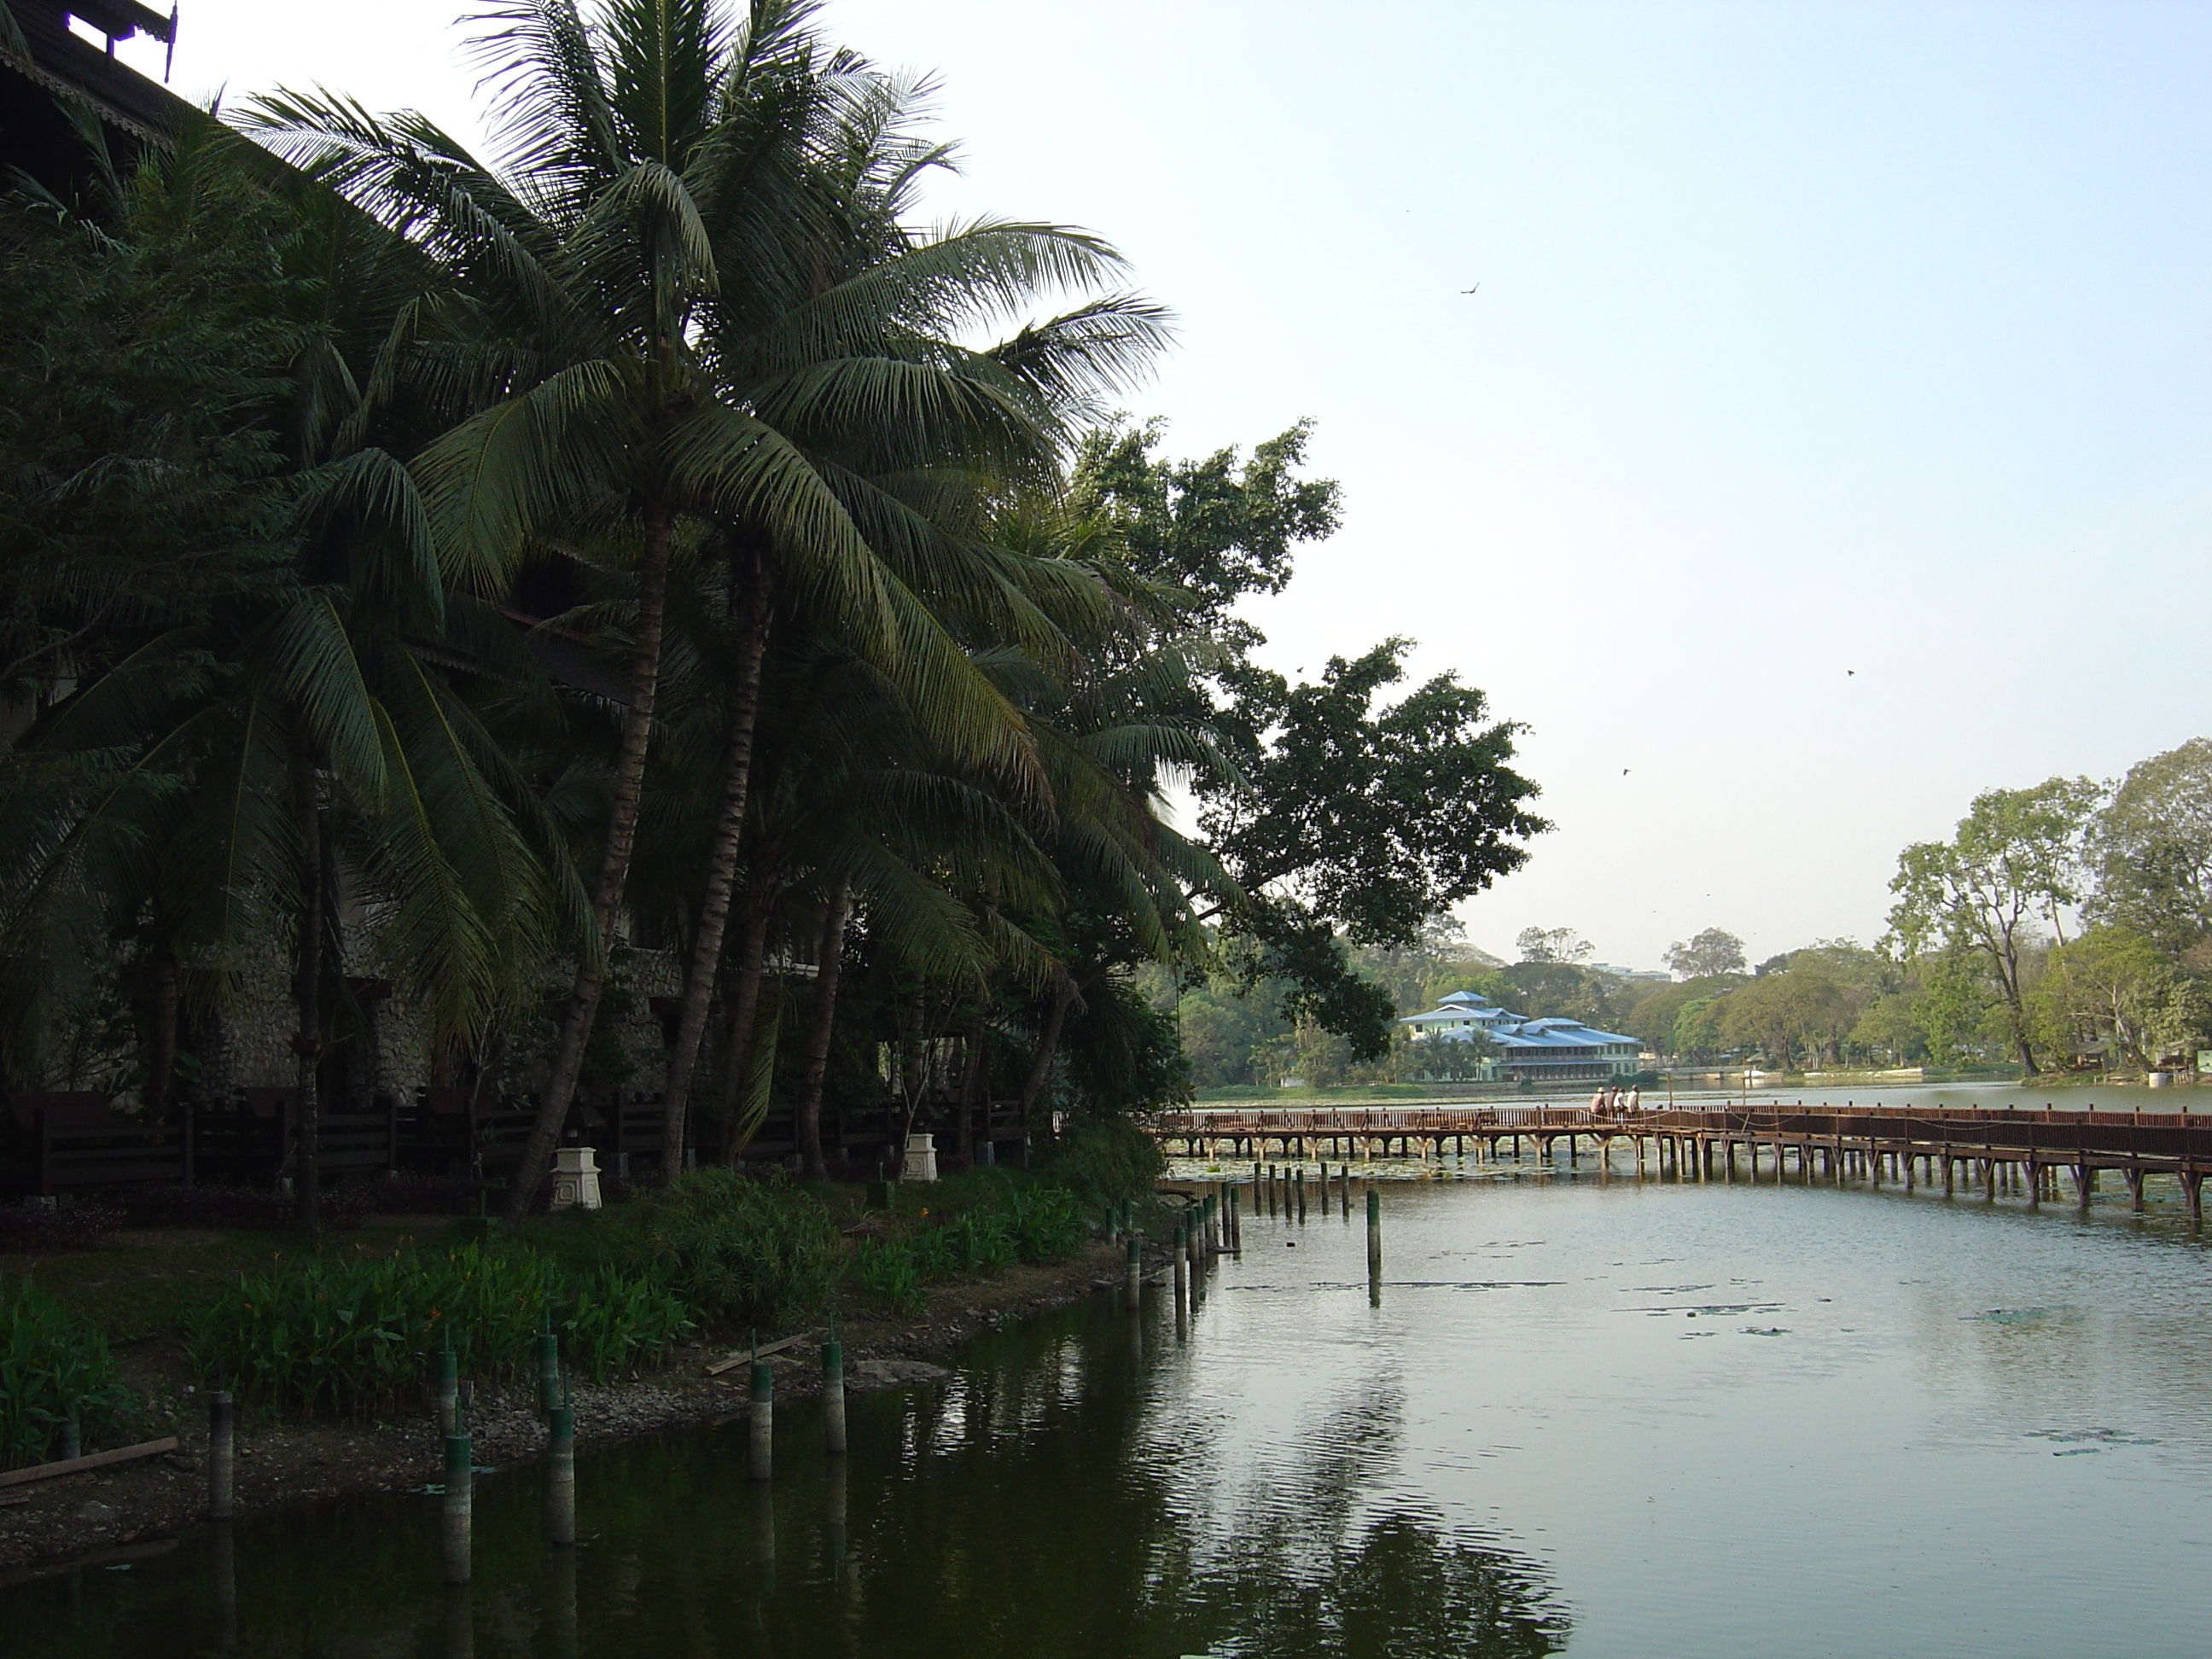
(1826,442)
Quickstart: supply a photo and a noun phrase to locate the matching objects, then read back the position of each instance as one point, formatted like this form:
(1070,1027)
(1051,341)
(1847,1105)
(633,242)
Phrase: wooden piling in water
(833,1396)
(549,1371)
(447,1389)
(1134,1281)
(222,1455)
(1299,1184)
(561,1476)
(458,1513)
(223,1568)
(1180,1267)
(760,1424)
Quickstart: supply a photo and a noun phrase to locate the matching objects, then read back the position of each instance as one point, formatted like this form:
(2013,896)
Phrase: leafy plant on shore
(350,1334)
(736,1249)
(1103,1156)
(52,1367)
(1033,1221)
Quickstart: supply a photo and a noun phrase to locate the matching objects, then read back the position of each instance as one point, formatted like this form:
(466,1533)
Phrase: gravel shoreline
(141,1508)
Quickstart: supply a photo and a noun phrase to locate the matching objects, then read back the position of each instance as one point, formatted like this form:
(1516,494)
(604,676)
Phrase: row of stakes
(458,1513)
(1214,1227)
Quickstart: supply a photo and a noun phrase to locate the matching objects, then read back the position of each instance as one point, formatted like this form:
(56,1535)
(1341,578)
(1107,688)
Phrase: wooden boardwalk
(1993,1150)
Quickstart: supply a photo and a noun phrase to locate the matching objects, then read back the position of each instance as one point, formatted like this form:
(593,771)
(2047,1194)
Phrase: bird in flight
(1848,673)
(1470,290)
(1623,771)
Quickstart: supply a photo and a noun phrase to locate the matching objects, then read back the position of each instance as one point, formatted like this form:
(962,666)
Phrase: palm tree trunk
(161,1057)
(307,993)
(614,864)
(744,1003)
(721,869)
(1063,994)
(971,1076)
(807,1124)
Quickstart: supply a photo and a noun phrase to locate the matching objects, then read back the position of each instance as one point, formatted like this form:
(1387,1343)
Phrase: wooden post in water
(459,1618)
(458,1514)
(1375,1243)
(1181,1268)
(222,1455)
(760,1423)
(2192,1194)
(561,1476)
(447,1388)
(1343,1191)
(1298,1182)
(1324,1189)
(1236,1225)
(222,1567)
(1135,1281)
(833,1395)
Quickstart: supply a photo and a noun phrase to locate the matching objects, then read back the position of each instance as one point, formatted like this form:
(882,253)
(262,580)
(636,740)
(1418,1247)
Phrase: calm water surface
(1633,1418)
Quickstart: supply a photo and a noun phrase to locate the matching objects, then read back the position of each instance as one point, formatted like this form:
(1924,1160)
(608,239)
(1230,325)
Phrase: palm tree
(301,730)
(850,351)
(578,264)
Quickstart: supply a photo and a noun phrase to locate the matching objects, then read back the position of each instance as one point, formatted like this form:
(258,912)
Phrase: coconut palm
(302,729)
(854,353)
(657,195)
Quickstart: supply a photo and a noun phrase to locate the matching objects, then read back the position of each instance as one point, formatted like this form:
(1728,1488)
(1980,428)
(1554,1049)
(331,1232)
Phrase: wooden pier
(1990,1149)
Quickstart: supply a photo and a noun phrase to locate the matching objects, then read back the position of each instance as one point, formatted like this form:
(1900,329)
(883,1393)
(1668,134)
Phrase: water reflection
(1037,1505)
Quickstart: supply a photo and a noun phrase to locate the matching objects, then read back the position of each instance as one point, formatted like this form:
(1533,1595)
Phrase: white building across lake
(1552,1050)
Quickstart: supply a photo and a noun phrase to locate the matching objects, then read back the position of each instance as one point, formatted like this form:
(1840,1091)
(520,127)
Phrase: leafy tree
(1361,818)
(2151,846)
(1696,1031)
(1800,1012)
(1559,989)
(1208,531)
(1654,1015)
(2115,988)
(2013,868)
(1552,945)
(1706,954)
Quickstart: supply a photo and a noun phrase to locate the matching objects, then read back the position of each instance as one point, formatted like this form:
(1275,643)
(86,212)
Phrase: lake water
(1635,1419)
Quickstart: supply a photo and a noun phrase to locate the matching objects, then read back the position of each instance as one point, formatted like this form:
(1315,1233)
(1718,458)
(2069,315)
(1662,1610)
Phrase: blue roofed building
(1547,1050)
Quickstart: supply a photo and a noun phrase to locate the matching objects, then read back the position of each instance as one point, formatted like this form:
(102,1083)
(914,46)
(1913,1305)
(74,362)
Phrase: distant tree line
(2061,927)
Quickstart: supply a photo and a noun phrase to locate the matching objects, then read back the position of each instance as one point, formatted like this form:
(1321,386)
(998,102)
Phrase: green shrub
(987,1226)
(351,1334)
(886,1268)
(1047,1223)
(1102,1157)
(51,1367)
(737,1249)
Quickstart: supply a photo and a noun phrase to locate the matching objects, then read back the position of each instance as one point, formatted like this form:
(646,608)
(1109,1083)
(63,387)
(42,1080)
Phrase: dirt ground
(281,1463)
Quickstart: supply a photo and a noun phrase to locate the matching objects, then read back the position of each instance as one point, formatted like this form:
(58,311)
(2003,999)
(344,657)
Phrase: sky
(1826,440)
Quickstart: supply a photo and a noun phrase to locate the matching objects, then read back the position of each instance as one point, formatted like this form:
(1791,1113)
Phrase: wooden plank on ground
(94,1461)
(766,1349)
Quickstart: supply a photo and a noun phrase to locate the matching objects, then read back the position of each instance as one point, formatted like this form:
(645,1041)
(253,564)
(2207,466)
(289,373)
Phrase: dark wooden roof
(55,64)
